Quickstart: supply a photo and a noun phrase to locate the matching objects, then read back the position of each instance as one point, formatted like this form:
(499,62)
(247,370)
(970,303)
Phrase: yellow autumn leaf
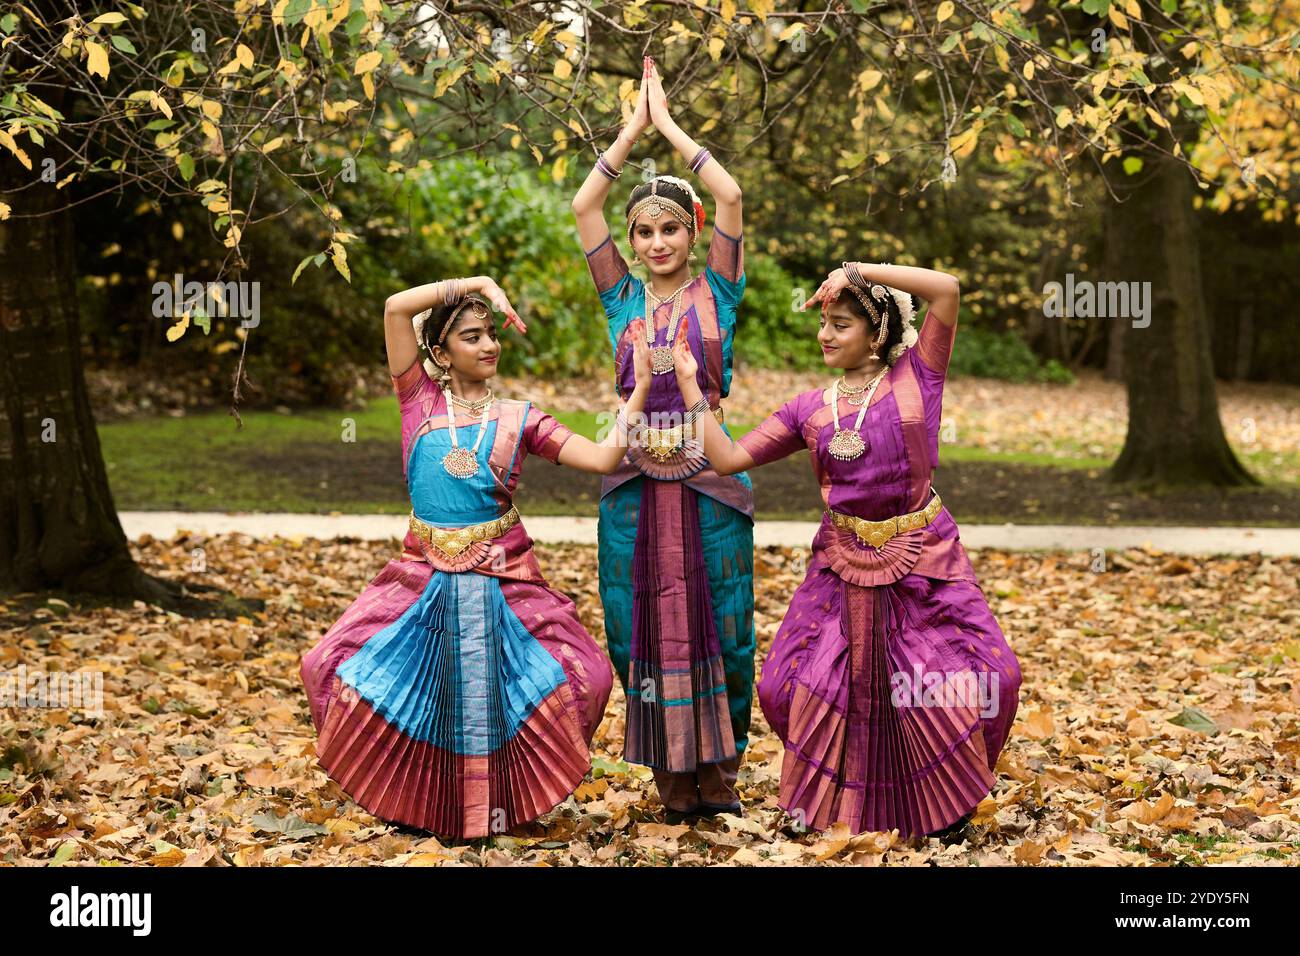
(339,256)
(96,59)
(160,105)
(716,46)
(1157,118)
(109,18)
(963,144)
(1064,118)
(174,332)
(559,169)
(1028,70)
(273,144)
(11,144)
(1222,17)
(367,62)
(728,10)
(1117,18)
(4,211)
(563,69)
(946,9)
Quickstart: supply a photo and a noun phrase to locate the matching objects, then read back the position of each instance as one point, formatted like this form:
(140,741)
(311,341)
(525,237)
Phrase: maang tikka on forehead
(656,205)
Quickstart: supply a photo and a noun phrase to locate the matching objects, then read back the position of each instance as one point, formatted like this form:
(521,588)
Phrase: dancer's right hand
(641,115)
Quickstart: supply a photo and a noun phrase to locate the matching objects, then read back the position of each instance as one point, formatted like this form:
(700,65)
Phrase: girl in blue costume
(676,539)
(459,692)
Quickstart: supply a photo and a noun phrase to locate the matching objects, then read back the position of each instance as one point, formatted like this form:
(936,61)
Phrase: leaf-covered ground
(1157,725)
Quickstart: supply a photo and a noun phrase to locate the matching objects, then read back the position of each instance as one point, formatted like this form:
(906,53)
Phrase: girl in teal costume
(676,538)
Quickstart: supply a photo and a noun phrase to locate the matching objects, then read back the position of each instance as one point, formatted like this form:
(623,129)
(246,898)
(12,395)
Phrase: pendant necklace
(463,462)
(848,445)
(661,356)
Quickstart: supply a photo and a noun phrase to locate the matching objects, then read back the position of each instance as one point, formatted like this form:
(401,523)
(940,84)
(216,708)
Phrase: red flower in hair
(699,217)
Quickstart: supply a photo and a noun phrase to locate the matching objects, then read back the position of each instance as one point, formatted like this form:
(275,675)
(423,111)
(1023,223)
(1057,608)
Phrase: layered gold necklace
(463,462)
(848,445)
(661,356)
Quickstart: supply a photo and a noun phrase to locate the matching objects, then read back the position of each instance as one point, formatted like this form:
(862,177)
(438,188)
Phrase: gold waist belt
(876,533)
(452,541)
(662,443)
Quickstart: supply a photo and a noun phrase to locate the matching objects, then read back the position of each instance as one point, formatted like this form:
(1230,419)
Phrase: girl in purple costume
(889,680)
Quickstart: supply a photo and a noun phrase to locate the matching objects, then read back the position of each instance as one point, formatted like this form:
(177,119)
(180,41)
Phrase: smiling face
(662,244)
(471,348)
(845,337)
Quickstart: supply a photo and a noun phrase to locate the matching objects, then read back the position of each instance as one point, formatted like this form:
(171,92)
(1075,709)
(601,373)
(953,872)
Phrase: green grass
(203,462)
(964,453)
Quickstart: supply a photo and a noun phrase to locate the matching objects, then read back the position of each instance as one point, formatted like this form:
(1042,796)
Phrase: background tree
(255,111)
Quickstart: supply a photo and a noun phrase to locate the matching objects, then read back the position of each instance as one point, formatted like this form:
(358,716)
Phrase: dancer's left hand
(496,295)
(684,364)
(659,114)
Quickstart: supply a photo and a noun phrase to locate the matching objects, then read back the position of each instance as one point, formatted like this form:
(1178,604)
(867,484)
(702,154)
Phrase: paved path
(1274,541)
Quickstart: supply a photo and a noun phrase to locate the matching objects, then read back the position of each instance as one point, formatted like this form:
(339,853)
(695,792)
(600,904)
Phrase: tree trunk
(1174,433)
(58,526)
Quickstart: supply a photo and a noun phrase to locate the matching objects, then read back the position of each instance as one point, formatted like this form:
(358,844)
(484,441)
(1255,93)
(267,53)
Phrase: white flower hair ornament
(430,366)
(908,313)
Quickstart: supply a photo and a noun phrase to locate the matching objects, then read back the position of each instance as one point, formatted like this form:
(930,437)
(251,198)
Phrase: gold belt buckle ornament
(453,541)
(878,533)
(661,443)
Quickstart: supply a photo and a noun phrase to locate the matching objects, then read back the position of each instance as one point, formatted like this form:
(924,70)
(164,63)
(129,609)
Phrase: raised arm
(401,307)
(589,202)
(726,456)
(585,454)
(725,190)
(941,290)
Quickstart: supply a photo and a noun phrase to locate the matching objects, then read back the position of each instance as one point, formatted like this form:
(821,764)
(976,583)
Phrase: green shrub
(1004,355)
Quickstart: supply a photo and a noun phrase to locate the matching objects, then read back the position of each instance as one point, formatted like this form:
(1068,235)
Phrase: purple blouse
(901,430)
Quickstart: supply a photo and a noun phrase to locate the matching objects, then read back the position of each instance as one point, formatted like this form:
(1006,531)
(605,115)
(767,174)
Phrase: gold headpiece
(480,312)
(656,205)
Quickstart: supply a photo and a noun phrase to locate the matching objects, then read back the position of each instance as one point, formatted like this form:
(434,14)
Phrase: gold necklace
(853,393)
(661,356)
(848,445)
(474,406)
(463,462)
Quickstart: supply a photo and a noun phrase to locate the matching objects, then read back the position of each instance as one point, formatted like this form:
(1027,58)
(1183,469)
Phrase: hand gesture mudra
(684,364)
(641,360)
(641,113)
(658,99)
(497,297)
(828,291)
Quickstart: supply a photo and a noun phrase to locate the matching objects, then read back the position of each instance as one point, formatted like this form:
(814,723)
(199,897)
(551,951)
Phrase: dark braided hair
(889,307)
(440,315)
